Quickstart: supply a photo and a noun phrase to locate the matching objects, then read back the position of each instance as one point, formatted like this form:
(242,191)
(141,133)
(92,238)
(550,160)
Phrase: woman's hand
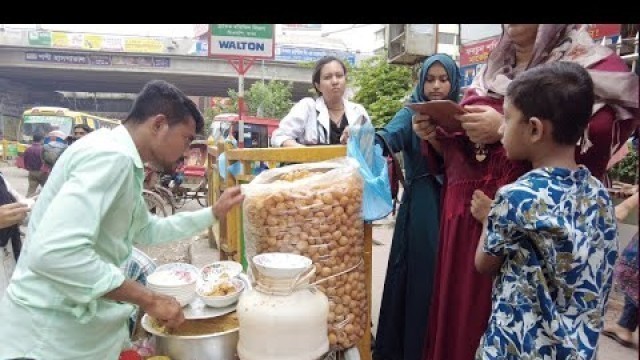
(423,126)
(345,136)
(12,214)
(481,124)
(480,205)
(426,130)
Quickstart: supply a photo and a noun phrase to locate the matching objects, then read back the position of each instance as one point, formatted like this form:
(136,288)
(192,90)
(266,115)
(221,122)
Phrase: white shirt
(308,122)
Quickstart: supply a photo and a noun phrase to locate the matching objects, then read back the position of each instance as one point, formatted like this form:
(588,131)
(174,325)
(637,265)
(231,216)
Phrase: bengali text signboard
(242,40)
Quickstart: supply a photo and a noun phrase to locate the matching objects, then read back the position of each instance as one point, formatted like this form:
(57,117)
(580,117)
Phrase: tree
(381,88)
(266,99)
(627,169)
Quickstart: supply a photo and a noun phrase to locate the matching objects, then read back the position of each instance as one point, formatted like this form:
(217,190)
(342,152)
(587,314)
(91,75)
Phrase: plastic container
(283,319)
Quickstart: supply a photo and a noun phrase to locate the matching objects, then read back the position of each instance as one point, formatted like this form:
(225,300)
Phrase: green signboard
(246,40)
(260,31)
(40,38)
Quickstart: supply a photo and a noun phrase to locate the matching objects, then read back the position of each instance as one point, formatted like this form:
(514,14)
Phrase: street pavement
(199,254)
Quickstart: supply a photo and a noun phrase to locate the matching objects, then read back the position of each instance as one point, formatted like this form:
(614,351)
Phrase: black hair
(315,78)
(84,127)
(37,138)
(161,97)
(560,92)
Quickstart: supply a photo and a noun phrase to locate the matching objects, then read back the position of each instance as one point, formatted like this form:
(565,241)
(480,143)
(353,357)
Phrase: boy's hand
(229,198)
(480,205)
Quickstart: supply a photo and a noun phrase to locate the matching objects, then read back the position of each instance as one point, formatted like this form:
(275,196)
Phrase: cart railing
(229,234)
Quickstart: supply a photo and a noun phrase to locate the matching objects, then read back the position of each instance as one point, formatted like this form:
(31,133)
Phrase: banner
(300,54)
(40,38)
(598,31)
(92,42)
(477,51)
(67,40)
(143,45)
(99,60)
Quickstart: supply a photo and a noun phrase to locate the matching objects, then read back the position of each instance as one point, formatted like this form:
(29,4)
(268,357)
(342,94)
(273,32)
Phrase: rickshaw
(189,181)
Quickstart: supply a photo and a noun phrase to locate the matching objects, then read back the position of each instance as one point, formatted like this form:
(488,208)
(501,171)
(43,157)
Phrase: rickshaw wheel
(203,200)
(154,203)
(167,196)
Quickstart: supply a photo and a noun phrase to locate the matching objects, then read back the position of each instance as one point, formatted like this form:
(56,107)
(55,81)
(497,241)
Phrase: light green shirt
(81,230)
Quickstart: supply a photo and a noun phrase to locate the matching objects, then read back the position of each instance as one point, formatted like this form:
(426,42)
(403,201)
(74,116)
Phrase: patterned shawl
(563,42)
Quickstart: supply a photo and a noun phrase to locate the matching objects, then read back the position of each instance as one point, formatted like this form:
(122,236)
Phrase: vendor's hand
(480,205)
(229,198)
(424,128)
(481,124)
(166,309)
(12,214)
(345,136)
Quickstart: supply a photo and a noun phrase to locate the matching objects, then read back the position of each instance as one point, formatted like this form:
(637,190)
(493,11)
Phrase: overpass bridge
(65,66)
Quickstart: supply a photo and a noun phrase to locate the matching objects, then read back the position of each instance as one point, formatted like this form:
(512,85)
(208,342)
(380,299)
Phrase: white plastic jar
(283,319)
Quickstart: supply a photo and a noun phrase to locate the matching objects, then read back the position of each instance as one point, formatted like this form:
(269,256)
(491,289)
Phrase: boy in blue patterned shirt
(550,236)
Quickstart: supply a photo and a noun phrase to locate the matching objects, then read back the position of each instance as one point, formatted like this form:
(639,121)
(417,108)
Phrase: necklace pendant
(481,157)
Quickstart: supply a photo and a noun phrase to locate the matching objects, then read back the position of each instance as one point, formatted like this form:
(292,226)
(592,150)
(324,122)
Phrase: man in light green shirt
(68,298)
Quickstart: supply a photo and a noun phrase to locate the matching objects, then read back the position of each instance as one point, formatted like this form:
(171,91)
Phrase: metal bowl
(219,346)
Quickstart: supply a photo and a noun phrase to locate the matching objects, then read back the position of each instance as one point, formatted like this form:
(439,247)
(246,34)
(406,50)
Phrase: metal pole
(241,104)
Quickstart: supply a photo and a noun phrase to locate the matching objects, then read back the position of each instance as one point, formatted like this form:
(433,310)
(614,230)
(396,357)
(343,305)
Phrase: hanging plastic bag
(376,199)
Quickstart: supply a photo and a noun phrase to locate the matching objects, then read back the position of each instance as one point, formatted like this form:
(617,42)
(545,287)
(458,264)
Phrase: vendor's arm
(292,126)
(63,246)
(161,307)
(183,225)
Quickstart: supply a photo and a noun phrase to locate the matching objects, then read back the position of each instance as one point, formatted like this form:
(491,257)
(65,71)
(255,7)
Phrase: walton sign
(242,40)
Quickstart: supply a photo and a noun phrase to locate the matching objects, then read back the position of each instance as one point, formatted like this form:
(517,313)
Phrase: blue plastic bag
(376,197)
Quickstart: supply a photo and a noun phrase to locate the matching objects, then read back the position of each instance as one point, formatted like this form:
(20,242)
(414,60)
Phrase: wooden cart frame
(228,236)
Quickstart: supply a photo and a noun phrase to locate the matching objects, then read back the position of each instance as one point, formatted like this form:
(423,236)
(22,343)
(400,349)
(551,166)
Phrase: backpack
(51,151)
(396,177)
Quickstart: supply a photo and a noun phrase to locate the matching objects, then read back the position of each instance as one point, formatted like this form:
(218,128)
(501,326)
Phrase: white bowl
(173,275)
(220,301)
(281,265)
(216,270)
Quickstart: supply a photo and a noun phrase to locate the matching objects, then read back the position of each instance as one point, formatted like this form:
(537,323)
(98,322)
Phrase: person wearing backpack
(410,271)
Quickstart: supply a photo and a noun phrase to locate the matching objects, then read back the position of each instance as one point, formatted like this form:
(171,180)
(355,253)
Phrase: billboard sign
(301,54)
(478,51)
(246,40)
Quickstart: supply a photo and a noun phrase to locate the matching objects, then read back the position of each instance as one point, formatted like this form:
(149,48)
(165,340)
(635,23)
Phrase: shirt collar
(122,136)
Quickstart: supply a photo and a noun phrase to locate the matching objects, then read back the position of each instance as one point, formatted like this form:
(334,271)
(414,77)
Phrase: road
(608,349)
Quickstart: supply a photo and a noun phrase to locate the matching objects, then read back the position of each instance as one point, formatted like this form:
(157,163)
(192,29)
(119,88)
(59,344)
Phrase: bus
(257,130)
(44,119)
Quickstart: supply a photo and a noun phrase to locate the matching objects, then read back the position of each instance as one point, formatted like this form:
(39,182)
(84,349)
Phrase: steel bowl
(219,346)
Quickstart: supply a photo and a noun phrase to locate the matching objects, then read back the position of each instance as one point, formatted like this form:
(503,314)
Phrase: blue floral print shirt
(557,232)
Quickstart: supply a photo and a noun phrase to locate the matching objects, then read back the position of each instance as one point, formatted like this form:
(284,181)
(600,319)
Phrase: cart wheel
(154,203)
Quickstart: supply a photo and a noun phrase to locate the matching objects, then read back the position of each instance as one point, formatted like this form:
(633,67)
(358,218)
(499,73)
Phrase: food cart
(229,236)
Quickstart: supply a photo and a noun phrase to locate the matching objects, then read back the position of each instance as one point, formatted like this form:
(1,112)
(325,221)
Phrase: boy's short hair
(161,97)
(560,92)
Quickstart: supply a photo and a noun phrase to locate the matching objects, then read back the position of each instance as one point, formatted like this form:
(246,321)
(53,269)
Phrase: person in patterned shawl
(550,237)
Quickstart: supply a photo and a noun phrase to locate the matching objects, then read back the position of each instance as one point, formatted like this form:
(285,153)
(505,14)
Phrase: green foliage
(381,88)
(266,99)
(627,169)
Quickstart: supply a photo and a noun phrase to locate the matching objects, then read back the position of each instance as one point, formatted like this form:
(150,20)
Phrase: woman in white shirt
(323,120)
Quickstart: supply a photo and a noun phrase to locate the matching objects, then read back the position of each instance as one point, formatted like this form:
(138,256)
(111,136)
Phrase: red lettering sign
(478,51)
